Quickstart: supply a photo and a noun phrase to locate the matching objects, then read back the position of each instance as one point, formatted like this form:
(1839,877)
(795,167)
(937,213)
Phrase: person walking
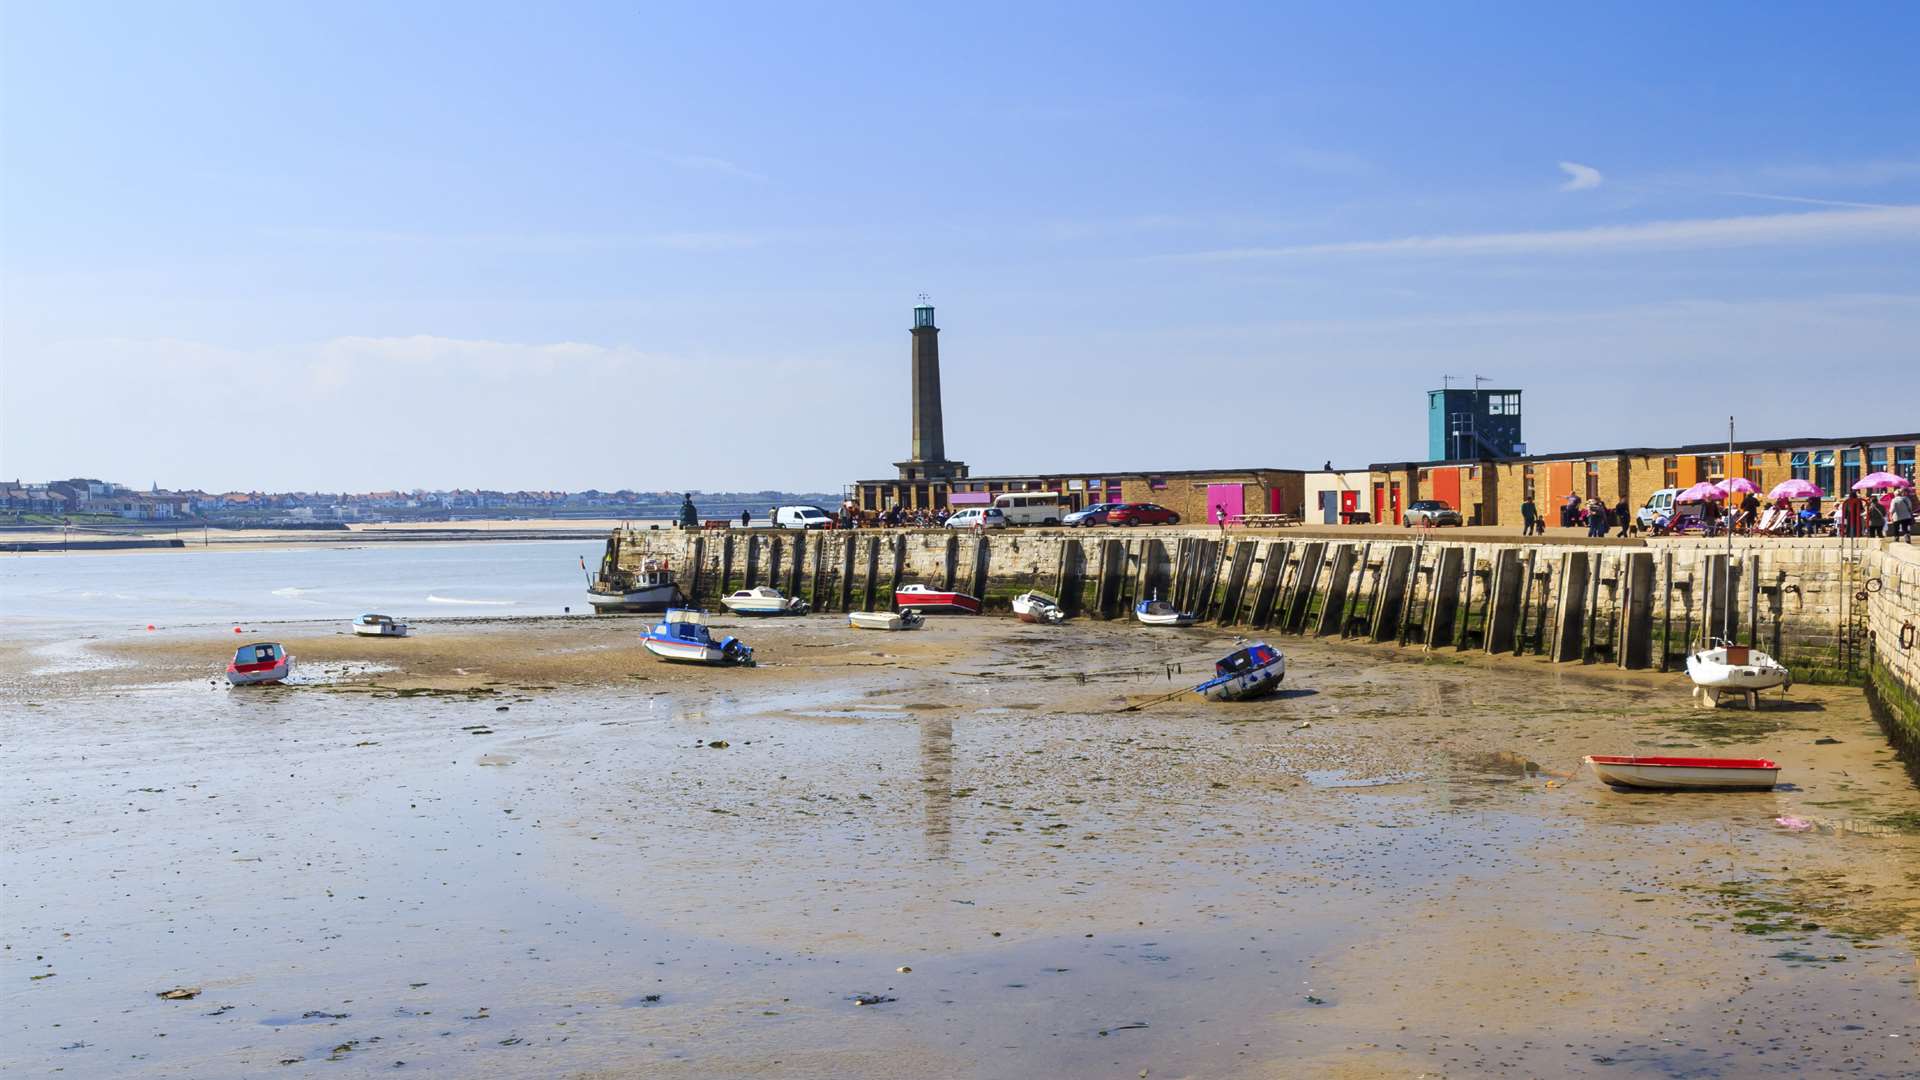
(1876,517)
(1220,516)
(1620,515)
(1900,516)
(1852,514)
(1529,514)
(1596,518)
(746,518)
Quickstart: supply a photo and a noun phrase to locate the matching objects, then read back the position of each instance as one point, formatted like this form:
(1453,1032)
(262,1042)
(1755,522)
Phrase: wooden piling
(1306,583)
(982,558)
(726,563)
(846,571)
(1573,608)
(699,564)
(1391,592)
(1469,572)
(1231,605)
(1503,603)
(753,562)
(1443,603)
(873,571)
(1333,602)
(1636,633)
(1666,610)
(899,542)
(1273,573)
(951,568)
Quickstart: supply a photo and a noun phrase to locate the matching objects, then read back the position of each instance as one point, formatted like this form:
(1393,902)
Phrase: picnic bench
(1264,521)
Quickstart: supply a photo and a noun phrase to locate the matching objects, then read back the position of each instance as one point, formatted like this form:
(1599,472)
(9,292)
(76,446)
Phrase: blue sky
(627,246)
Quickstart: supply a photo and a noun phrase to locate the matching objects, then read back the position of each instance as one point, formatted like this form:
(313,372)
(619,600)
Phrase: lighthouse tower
(928,460)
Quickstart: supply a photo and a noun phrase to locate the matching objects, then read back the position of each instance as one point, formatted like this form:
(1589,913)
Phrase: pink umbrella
(1700,492)
(1738,485)
(1795,489)
(1881,481)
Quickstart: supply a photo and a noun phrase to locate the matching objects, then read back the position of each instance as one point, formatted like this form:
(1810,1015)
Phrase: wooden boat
(936,601)
(1724,668)
(683,636)
(1157,612)
(763,600)
(904,619)
(259,663)
(380,626)
(650,588)
(1685,773)
(1038,607)
(1252,671)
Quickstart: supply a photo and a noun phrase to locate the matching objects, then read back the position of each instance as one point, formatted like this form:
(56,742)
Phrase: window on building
(1849,469)
(867,499)
(1670,472)
(1823,470)
(1903,462)
(1157,483)
(1503,404)
(1751,468)
(1593,479)
(1473,472)
(1797,464)
(1877,459)
(1712,467)
(1526,480)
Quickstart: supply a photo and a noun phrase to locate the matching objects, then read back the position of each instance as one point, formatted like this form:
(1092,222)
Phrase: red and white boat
(935,601)
(1685,773)
(258,663)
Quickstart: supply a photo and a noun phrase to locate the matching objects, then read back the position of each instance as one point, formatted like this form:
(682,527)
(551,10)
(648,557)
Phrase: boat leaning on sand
(904,619)
(259,663)
(1157,612)
(683,636)
(1252,671)
(1038,607)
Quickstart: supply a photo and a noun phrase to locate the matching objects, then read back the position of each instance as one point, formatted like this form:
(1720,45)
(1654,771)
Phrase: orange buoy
(149,626)
(237,630)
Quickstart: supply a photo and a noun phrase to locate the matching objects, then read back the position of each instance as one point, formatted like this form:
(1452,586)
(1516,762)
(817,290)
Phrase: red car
(1141,514)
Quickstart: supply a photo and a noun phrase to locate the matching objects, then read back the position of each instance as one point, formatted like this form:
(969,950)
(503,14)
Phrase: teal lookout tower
(928,461)
(1473,425)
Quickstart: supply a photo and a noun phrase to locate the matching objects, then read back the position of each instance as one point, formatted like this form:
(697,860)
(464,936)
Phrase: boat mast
(1726,596)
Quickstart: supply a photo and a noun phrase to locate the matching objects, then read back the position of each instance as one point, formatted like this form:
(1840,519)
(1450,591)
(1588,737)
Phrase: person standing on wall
(1620,515)
(1220,516)
(1529,514)
(746,518)
(1900,515)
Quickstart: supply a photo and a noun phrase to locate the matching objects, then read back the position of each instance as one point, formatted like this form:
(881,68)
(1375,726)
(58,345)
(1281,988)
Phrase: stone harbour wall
(1834,611)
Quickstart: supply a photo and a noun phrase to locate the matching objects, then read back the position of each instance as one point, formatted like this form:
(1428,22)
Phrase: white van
(802,517)
(1031,507)
(1659,504)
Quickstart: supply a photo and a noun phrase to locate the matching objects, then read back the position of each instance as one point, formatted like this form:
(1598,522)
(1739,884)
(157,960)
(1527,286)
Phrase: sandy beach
(523,846)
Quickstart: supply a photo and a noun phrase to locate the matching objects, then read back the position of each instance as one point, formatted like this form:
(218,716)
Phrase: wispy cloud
(1580,177)
(1807,199)
(1845,174)
(1829,226)
(705,163)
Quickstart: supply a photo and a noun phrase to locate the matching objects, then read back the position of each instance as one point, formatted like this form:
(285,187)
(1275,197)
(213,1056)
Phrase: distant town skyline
(352,247)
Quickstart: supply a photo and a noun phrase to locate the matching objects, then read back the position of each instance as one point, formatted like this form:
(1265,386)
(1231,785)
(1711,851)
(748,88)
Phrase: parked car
(1141,514)
(1031,507)
(1092,515)
(978,517)
(801,517)
(1659,504)
(1431,512)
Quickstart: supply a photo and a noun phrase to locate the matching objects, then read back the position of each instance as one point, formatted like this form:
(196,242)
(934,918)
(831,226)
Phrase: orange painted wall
(1559,482)
(1444,484)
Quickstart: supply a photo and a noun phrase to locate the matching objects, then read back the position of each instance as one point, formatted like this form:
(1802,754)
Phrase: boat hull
(1035,609)
(686,652)
(1245,685)
(380,631)
(933,602)
(763,607)
(262,677)
(1685,774)
(653,598)
(1177,618)
(1711,674)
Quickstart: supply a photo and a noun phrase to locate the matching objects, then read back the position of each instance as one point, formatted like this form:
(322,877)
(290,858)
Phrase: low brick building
(1191,493)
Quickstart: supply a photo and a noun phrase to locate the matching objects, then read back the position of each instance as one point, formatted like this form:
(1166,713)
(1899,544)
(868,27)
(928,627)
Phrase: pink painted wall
(1231,496)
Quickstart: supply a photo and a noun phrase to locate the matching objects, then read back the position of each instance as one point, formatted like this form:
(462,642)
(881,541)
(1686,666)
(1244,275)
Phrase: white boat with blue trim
(1157,612)
(764,600)
(683,636)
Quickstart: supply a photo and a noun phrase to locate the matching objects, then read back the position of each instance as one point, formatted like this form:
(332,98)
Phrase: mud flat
(523,847)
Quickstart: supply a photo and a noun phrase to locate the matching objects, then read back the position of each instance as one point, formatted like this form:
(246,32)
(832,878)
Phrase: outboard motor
(737,651)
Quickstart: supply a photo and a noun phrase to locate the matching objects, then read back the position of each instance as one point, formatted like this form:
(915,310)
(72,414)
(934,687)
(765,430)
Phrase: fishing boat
(1725,668)
(380,626)
(763,600)
(683,635)
(1157,612)
(904,619)
(650,588)
(1252,671)
(936,601)
(259,663)
(1038,607)
(1685,773)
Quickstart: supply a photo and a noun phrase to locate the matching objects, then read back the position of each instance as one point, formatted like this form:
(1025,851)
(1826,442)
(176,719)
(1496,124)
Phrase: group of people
(1889,514)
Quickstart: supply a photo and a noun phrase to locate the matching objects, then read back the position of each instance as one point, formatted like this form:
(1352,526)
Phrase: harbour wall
(1834,611)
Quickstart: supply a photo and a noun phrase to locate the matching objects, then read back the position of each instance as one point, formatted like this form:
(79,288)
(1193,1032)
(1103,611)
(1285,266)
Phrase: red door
(1445,487)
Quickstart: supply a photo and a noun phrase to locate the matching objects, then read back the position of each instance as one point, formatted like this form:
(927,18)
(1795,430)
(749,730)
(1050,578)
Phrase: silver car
(1431,512)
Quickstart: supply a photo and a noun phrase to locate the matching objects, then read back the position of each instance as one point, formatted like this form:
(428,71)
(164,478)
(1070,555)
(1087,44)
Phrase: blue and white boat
(1157,612)
(1252,671)
(683,636)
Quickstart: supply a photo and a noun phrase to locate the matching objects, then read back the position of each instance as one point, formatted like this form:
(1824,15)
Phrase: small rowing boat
(1249,672)
(936,601)
(683,636)
(1038,607)
(904,619)
(763,600)
(1726,668)
(379,626)
(1685,773)
(1157,612)
(259,663)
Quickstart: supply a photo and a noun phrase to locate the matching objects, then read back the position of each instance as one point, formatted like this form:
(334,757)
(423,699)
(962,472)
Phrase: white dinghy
(380,626)
(1723,668)
(1157,612)
(1038,607)
(904,619)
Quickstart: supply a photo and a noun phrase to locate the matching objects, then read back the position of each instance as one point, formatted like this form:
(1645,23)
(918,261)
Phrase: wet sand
(513,847)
